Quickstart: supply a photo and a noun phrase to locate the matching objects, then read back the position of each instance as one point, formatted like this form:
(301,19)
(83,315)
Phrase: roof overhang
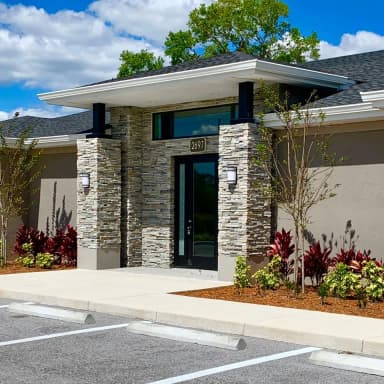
(192,85)
(351,113)
(49,141)
(374,97)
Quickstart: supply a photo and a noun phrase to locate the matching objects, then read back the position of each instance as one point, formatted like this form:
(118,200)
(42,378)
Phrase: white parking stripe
(230,367)
(7,305)
(62,334)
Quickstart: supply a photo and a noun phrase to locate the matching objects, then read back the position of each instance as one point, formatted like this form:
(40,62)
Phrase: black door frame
(199,263)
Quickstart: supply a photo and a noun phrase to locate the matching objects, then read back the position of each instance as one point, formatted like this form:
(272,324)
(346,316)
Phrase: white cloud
(59,50)
(149,19)
(48,112)
(362,41)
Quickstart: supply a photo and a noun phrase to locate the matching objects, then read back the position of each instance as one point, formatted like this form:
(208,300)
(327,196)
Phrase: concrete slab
(146,296)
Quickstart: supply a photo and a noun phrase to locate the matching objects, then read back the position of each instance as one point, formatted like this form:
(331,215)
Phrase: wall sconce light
(84,179)
(232,175)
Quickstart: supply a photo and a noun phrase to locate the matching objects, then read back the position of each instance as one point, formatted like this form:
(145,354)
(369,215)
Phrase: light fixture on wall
(232,175)
(85,179)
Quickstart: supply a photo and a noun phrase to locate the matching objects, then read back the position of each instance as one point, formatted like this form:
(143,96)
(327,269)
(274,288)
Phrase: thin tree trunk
(4,232)
(296,272)
(302,263)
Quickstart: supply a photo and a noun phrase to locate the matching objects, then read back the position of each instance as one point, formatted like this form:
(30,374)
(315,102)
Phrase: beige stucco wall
(54,199)
(54,205)
(360,197)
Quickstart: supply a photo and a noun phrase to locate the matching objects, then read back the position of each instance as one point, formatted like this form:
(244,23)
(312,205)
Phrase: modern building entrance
(196,203)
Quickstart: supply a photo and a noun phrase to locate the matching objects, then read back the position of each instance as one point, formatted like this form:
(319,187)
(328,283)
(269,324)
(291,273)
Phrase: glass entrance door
(196,212)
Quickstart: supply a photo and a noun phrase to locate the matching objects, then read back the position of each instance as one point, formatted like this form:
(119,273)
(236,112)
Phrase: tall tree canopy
(257,27)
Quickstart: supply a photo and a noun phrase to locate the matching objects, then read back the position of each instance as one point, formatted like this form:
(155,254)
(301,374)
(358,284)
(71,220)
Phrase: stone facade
(98,207)
(244,212)
(143,211)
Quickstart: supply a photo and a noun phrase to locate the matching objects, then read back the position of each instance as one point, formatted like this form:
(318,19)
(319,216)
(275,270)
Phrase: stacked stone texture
(147,197)
(98,207)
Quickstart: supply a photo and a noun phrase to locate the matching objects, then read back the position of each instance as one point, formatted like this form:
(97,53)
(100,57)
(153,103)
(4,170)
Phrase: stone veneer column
(99,207)
(244,213)
(127,123)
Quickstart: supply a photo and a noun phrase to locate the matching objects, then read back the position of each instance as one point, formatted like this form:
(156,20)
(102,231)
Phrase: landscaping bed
(282,298)
(14,267)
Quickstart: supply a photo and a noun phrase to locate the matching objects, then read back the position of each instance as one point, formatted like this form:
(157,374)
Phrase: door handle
(189,228)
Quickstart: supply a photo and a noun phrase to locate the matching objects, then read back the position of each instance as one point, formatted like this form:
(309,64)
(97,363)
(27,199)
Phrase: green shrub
(44,260)
(341,281)
(270,277)
(241,277)
(26,261)
(373,281)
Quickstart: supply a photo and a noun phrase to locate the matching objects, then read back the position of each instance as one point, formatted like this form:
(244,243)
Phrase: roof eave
(249,70)
(351,113)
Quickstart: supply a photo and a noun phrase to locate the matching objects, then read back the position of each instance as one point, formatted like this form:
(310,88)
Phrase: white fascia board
(254,69)
(374,97)
(309,76)
(49,141)
(351,113)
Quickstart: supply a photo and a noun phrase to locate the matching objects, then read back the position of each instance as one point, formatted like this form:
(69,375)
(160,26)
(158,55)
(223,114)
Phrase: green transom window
(193,122)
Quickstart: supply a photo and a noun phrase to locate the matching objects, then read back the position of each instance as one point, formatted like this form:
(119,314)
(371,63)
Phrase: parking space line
(7,305)
(62,334)
(230,367)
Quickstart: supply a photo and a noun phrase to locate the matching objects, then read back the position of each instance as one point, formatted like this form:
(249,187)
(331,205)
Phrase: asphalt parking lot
(113,355)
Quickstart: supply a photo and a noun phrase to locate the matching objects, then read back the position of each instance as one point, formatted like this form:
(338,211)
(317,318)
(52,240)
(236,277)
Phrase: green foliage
(241,278)
(323,291)
(373,281)
(26,261)
(44,260)
(269,277)
(257,27)
(341,281)
(18,171)
(136,62)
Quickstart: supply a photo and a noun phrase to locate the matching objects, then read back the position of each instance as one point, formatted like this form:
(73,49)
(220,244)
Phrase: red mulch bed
(13,267)
(282,298)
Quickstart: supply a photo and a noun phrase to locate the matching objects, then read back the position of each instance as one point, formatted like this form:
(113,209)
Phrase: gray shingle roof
(225,58)
(65,125)
(367,69)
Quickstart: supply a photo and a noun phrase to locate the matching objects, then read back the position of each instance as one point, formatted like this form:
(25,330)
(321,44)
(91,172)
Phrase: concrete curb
(51,313)
(217,340)
(369,346)
(348,362)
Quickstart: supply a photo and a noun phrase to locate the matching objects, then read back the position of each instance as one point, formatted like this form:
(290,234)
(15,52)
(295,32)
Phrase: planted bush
(241,277)
(373,280)
(342,282)
(62,247)
(317,262)
(282,247)
(269,277)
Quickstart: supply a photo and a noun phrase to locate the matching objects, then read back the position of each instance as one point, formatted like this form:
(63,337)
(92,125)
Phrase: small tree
(17,173)
(297,161)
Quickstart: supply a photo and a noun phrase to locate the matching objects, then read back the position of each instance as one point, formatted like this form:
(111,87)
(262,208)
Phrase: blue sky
(48,45)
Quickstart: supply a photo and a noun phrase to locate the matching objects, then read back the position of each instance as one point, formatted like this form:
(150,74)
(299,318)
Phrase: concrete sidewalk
(144,294)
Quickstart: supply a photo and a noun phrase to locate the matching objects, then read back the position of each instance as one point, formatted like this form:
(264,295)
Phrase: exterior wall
(98,207)
(360,196)
(52,198)
(148,188)
(55,203)
(244,213)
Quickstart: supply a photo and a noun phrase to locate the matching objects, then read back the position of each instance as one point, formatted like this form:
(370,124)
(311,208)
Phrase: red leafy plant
(29,235)
(282,247)
(63,246)
(317,262)
(355,259)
